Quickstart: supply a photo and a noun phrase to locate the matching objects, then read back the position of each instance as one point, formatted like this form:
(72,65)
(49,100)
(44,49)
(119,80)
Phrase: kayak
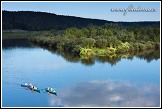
(30,87)
(51,91)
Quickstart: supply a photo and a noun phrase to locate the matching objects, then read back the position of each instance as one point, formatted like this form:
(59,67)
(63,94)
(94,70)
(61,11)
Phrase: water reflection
(29,89)
(23,42)
(147,55)
(108,94)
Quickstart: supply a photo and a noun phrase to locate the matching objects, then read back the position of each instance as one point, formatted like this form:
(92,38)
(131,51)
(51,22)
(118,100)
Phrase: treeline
(109,39)
(36,21)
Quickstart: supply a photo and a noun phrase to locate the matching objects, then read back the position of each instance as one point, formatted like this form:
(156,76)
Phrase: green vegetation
(17,34)
(74,37)
(110,39)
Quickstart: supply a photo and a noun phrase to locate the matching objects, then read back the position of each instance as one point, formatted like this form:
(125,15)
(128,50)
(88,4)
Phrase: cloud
(108,94)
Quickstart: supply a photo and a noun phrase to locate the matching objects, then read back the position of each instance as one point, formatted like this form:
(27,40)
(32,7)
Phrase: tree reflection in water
(147,55)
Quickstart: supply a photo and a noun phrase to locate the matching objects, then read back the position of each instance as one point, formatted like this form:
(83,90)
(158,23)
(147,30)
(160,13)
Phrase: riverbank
(62,44)
(84,54)
(107,40)
(119,49)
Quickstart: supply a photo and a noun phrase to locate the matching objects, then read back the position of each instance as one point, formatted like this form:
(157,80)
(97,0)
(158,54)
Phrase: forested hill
(30,20)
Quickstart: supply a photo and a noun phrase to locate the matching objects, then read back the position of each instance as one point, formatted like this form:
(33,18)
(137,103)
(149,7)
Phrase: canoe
(30,87)
(52,92)
(23,85)
(37,90)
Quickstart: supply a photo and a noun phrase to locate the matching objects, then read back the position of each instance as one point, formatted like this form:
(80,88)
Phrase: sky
(95,10)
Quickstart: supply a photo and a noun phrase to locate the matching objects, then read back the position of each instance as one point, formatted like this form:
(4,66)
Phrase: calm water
(134,82)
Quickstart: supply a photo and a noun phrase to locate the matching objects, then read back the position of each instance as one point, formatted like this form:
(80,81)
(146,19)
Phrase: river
(131,82)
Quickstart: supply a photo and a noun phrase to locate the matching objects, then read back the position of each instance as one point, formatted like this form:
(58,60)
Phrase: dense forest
(107,40)
(37,21)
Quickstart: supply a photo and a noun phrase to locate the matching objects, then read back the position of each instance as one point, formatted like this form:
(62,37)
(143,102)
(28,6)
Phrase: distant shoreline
(39,21)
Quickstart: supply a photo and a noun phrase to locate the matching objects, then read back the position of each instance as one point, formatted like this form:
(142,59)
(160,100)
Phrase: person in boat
(26,83)
(48,88)
(30,85)
(34,87)
(51,89)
